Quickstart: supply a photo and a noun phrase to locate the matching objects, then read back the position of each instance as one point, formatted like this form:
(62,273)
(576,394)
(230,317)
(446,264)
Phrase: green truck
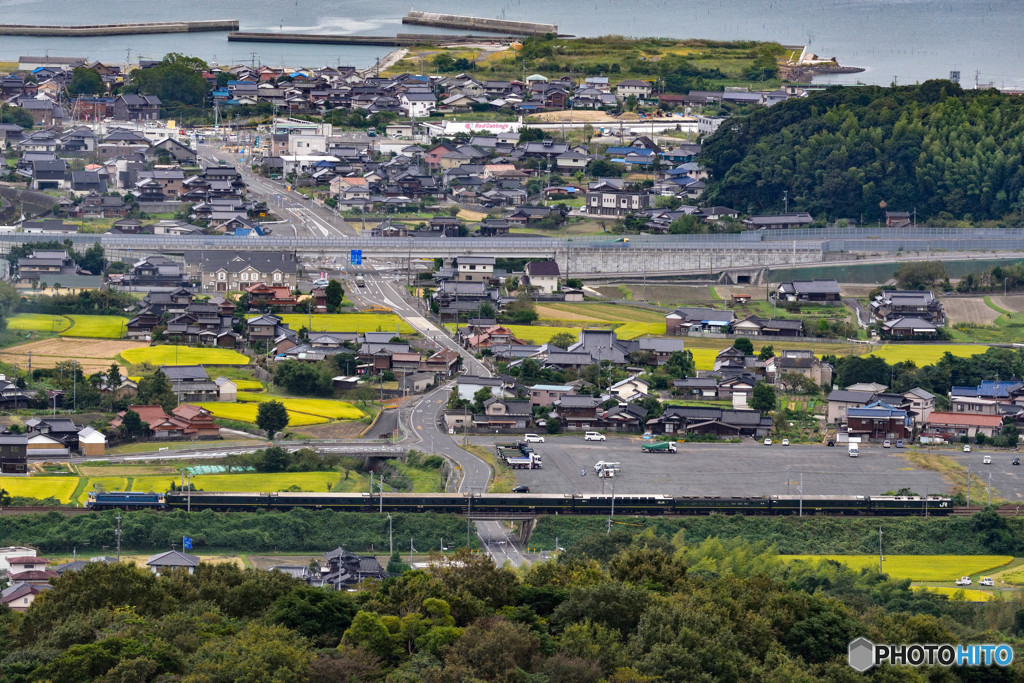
(659,447)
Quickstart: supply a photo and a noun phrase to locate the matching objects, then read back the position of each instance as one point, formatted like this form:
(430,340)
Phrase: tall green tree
(156,389)
(85,81)
(271,417)
(176,80)
(763,399)
(335,294)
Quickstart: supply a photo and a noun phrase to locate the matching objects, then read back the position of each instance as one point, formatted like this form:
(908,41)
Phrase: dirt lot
(665,295)
(92,354)
(972,310)
(335,430)
(1014,303)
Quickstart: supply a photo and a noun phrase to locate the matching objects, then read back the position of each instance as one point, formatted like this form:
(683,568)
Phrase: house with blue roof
(993,389)
(879,421)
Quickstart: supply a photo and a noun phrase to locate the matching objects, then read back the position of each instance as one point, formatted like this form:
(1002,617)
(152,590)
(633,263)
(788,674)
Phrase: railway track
(33,509)
(1004,510)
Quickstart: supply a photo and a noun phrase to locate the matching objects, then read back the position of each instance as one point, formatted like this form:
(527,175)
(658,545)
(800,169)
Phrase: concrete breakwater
(457,21)
(400,40)
(119,29)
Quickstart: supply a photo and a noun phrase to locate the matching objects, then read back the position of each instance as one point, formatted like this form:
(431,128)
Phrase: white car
(533,438)
(785,442)
(594,436)
(321,282)
(967,448)
(987,581)
(963,581)
(987,460)
(887,444)
(767,442)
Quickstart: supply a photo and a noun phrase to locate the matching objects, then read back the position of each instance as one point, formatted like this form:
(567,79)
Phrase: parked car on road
(533,438)
(963,581)
(967,448)
(321,282)
(785,442)
(987,460)
(767,442)
(594,436)
(899,443)
(987,581)
(887,444)
(521,489)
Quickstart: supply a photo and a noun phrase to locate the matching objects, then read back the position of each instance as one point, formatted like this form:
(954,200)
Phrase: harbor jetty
(119,29)
(400,40)
(456,21)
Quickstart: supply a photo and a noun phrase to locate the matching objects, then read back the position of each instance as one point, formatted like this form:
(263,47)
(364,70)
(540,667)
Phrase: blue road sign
(356,257)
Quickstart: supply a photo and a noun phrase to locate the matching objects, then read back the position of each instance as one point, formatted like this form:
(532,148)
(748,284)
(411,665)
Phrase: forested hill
(856,152)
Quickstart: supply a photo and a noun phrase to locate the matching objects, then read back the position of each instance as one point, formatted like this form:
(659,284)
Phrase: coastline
(805,73)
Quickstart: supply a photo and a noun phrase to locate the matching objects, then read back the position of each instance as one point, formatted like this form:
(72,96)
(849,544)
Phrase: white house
(630,389)
(543,275)
(227,390)
(92,442)
(417,104)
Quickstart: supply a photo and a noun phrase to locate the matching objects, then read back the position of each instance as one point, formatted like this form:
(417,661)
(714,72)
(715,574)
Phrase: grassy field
(601,312)
(242,376)
(917,567)
(924,354)
(634,330)
(40,487)
(183,355)
(38,322)
(96,326)
(349,322)
(337,410)
(540,334)
(278,481)
(246,412)
(968,594)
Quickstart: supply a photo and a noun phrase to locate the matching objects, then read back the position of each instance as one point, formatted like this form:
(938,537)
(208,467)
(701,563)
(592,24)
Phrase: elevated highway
(653,254)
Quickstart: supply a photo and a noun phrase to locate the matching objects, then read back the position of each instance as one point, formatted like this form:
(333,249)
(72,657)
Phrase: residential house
(475,268)
(711,421)
(632,87)
(605,200)
(975,406)
(191,383)
(172,560)
(20,596)
(547,394)
(271,296)
(817,290)
(892,304)
(504,415)
(878,421)
(13,453)
(841,401)
(909,328)
(130,107)
(921,405)
(577,413)
(542,275)
(688,320)
(224,271)
(630,389)
(703,388)
(800,362)
(185,422)
(952,427)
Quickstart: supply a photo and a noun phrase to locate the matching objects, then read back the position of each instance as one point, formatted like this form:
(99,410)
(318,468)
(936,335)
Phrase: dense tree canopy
(176,80)
(854,152)
(618,608)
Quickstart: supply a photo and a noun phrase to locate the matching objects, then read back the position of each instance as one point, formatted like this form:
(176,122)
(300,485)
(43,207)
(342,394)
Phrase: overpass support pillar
(526,528)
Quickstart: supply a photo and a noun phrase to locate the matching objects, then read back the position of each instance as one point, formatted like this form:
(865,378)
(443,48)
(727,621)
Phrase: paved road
(500,544)
(306,219)
(745,469)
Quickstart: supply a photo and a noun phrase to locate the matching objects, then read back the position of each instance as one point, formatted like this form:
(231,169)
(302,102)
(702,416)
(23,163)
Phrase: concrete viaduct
(581,256)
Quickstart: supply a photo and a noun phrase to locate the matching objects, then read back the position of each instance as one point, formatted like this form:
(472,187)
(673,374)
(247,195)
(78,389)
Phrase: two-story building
(475,268)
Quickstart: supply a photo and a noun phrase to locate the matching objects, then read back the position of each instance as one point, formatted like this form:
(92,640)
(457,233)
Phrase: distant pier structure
(119,29)
(456,21)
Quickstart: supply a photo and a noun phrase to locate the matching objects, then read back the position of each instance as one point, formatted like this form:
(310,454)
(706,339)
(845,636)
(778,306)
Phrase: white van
(533,438)
(594,436)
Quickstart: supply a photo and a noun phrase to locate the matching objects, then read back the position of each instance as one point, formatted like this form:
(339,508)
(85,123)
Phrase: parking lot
(1007,479)
(744,469)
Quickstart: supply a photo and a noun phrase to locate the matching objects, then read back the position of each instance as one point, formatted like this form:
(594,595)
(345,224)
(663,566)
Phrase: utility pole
(879,550)
(380,484)
(469,513)
(612,513)
(801,494)
(968,487)
(117,535)
(391,537)
(990,489)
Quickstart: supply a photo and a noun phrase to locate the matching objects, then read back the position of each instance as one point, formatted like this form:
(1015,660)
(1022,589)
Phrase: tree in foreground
(763,398)
(272,418)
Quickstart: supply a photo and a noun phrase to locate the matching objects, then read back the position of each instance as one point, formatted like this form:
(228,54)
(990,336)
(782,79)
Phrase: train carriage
(819,505)
(910,505)
(706,505)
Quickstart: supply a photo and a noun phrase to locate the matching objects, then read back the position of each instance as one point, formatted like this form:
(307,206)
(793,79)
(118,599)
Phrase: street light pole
(391,537)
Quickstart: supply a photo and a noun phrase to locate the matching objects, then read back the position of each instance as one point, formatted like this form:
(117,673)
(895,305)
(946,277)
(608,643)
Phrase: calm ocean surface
(909,40)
